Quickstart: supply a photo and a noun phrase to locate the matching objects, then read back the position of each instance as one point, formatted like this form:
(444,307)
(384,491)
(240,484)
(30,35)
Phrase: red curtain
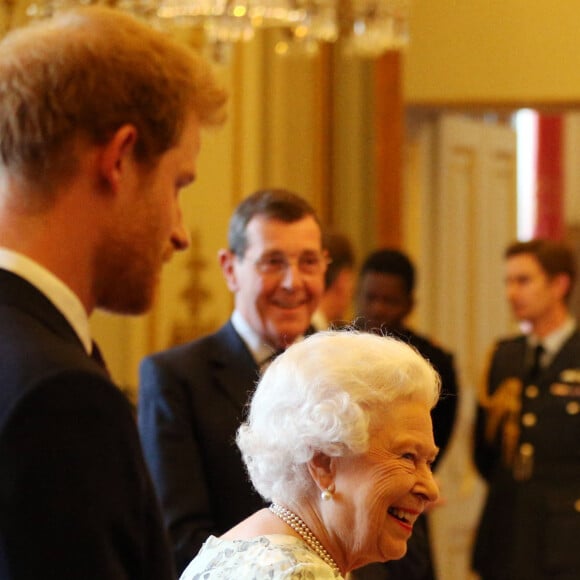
(550,178)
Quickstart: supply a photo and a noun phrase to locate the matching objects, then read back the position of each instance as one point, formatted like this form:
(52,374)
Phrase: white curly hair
(322,395)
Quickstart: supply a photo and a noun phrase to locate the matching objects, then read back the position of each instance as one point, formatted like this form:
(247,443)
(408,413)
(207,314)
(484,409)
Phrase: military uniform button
(529,419)
(577,505)
(560,390)
(532,391)
(573,408)
(526,449)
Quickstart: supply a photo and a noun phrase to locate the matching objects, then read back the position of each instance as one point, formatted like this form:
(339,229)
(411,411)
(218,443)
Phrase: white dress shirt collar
(554,341)
(259,349)
(63,298)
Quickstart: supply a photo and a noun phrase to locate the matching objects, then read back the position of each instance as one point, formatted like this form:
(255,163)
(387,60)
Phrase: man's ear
(227,263)
(117,154)
(561,282)
(322,469)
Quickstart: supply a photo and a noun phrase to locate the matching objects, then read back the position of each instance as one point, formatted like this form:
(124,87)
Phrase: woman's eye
(409,456)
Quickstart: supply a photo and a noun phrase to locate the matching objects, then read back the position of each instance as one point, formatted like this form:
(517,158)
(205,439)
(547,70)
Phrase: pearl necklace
(296,523)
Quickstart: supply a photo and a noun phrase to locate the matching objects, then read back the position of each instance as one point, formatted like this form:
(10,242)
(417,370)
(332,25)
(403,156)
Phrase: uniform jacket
(192,400)
(76,500)
(530,527)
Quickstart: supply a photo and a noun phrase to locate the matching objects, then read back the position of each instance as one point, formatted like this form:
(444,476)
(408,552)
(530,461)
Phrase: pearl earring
(326,494)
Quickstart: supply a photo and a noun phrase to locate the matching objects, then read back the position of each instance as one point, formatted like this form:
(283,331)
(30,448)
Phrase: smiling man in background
(193,397)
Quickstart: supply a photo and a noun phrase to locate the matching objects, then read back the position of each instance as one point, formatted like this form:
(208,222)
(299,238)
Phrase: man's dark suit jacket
(530,526)
(192,400)
(76,501)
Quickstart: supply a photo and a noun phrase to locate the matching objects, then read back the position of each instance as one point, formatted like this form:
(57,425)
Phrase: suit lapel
(19,293)
(236,370)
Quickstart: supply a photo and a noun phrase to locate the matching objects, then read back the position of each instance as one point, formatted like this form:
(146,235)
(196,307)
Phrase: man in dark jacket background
(384,300)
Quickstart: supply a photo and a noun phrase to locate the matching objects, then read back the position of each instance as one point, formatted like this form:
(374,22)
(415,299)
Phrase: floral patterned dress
(272,557)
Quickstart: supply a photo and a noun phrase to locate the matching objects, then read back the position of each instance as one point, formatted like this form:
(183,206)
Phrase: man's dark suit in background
(192,403)
(384,299)
(443,414)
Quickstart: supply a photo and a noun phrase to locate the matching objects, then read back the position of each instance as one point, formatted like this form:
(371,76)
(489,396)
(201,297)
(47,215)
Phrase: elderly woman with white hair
(339,440)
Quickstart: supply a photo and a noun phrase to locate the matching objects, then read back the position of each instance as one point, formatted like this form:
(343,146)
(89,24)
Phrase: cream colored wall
(482,50)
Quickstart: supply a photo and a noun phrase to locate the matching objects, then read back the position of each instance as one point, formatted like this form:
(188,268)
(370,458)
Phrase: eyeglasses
(309,263)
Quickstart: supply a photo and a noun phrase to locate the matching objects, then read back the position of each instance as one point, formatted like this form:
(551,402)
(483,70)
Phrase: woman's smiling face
(380,494)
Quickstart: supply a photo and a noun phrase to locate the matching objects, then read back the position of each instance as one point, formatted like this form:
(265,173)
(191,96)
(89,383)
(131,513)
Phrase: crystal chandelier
(367,27)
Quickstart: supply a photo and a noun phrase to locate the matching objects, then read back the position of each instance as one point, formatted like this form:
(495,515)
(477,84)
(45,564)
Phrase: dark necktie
(536,365)
(97,356)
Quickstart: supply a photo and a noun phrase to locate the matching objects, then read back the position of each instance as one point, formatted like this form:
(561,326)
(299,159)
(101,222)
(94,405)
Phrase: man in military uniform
(527,440)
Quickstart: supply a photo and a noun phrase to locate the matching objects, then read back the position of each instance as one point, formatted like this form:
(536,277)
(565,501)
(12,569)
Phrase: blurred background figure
(339,282)
(194,397)
(384,300)
(527,439)
(339,439)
